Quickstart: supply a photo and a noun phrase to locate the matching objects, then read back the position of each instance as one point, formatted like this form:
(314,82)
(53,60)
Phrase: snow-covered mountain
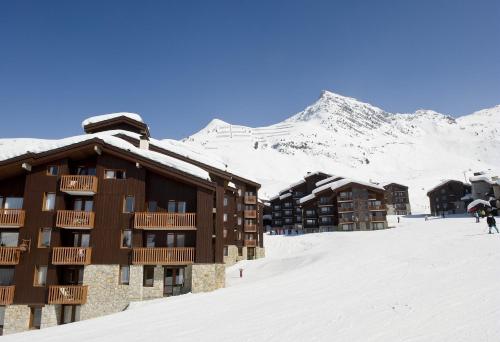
(344,136)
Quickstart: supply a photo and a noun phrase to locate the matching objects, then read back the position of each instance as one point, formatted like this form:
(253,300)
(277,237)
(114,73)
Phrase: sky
(182,63)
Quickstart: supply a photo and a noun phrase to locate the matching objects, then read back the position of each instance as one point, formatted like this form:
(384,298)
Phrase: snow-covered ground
(435,280)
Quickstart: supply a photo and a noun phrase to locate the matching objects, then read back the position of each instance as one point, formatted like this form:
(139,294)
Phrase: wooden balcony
(344,199)
(250,228)
(377,218)
(250,243)
(376,207)
(345,210)
(250,199)
(7,294)
(72,219)
(67,294)
(346,220)
(163,256)
(12,218)
(250,213)
(165,221)
(79,185)
(10,255)
(71,255)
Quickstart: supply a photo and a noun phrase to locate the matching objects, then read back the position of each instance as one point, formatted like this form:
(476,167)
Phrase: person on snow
(491,223)
(476,214)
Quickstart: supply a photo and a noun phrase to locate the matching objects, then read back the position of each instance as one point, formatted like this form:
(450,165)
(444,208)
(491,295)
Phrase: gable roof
(336,185)
(444,182)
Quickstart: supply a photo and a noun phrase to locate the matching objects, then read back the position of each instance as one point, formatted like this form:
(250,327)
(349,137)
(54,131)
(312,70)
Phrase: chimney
(144,142)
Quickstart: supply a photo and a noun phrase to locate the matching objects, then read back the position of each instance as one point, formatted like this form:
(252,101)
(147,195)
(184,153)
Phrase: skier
(426,217)
(476,214)
(491,223)
(398,219)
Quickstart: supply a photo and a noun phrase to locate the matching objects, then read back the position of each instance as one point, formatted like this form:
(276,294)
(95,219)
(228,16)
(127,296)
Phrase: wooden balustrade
(346,220)
(377,218)
(71,255)
(250,213)
(344,198)
(67,294)
(376,207)
(345,209)
(12,218)
(75,219)
(7,294)
(250,199)
(163,256)
(167,221)
(10,255)
(79,185)
(250,228)
(250,243)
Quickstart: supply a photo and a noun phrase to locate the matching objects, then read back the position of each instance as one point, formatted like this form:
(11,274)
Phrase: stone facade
(17,319)
(50,316)
(206,277)
(260,252)
(232,256)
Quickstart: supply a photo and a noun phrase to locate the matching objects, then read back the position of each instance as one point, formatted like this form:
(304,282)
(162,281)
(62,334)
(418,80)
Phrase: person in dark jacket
(491,223)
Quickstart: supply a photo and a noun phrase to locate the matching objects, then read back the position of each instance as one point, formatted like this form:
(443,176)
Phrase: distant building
(344,205)
(449,197)
(397,199)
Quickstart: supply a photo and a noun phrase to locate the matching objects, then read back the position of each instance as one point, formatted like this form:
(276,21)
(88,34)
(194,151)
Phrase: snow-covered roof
(443,182)
(104,117)
(285,196)
(337,185)
(231,185)
(477,202)
(306,198)
(481,178)
(327,180)
(315,173)
(274,198)
(467,197)
(11,148)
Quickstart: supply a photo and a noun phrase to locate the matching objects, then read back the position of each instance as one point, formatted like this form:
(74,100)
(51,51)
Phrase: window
(378,225)
(49,201)
(40,275)
(52,170)
(9,239)
(150,240)
(83,205)
(171,206)
(170,240)
(239,221)
(12,203)
(35,317)
(181,238)
(225,217)
(238,206)
(224,233)
(124,274)
(148,277)
(152,206)
(70,313)
(85,240)
(129,204)
(6,276)
(225,251)
(181,207)
(226,200)
(126,238)
(114,174)
(44,237)
(240,251)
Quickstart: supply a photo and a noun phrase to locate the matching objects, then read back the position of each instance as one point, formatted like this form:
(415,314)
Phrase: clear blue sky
(181,63)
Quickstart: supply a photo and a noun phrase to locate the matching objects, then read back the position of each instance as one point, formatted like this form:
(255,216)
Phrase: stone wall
(206,277)
(51,314)
(260,252)
(17,318)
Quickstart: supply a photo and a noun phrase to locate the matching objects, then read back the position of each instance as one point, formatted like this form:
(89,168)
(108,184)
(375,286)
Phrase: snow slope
(424,281)
(344,136)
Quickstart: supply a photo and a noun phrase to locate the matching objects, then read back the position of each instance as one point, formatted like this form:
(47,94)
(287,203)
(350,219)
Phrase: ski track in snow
(422,281)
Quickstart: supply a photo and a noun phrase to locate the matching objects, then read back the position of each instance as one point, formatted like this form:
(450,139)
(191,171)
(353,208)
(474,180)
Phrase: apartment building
(397,199)
(91,223)
(344,205)
(449,197)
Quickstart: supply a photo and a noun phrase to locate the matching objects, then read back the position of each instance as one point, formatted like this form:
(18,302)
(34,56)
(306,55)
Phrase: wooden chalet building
(344,205)
(285,207)
(91,223)
(397,199)
(449,197)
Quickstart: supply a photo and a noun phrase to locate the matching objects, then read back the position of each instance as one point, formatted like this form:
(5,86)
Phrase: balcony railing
(376,207)
(75,219)
(250,213)
(250,199)
(377,218)
(79,185)
(346,220)
(250,228)
(251,243)
(71,255)
(67,294)
(167,221)
(344,198)
(11,218)
(7,294)
(345,209)
(163,256)
(10,255)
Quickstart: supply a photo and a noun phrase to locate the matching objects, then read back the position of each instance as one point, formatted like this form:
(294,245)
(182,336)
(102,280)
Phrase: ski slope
(425,281)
